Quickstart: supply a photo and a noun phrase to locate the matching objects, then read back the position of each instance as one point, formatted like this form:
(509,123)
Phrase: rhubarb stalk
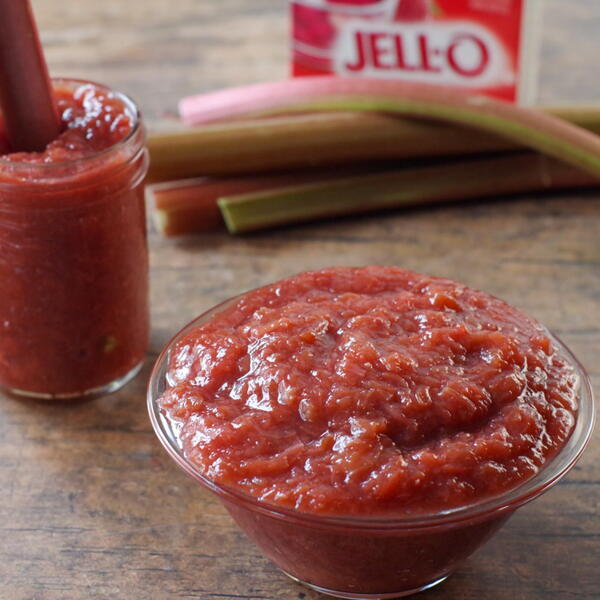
(190,205)
(527,127)
(303,141)
(26,96)
(322,139)
(514,173)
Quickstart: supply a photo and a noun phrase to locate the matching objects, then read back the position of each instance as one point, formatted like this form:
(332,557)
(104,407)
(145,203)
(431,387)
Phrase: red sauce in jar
(74,306)
(372,390)
(93,119)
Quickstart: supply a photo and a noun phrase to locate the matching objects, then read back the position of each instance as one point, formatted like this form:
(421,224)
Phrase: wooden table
(90,505)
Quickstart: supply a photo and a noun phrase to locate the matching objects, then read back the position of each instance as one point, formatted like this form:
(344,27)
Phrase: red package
(481,46)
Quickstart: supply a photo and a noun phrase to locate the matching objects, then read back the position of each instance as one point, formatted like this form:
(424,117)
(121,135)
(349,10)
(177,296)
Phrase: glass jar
(362,557)
(74,314)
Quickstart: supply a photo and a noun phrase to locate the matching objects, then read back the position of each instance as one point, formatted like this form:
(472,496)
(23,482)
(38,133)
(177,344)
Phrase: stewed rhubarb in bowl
(369,428)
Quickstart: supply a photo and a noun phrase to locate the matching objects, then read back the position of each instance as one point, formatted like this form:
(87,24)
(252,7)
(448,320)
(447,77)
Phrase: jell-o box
(480,46)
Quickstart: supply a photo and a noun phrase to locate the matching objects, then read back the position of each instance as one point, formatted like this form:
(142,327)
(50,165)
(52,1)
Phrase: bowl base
(359,596)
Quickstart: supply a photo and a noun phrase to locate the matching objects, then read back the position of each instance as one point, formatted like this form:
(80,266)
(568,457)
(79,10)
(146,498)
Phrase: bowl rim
(491,507)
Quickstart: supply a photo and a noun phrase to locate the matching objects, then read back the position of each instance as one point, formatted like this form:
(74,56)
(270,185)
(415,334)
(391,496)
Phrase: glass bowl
(365,557)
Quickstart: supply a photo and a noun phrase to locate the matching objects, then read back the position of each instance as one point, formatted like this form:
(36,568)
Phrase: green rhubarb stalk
(476,178)
(306,141)
(526,127)
(322,139)
(190,205)
(587,117)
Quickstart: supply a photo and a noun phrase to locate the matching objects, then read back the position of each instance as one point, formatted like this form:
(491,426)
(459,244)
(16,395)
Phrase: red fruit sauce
(92,120)
(74,307)
(375,390)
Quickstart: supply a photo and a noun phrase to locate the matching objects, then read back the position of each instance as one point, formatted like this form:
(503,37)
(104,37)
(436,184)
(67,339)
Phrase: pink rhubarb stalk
(528,127)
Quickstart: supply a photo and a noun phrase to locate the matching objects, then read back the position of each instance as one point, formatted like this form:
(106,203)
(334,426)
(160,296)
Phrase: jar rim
(47,167)
(504,503)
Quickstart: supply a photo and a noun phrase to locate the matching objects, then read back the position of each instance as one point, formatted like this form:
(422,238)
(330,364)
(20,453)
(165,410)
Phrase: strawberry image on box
(481,46)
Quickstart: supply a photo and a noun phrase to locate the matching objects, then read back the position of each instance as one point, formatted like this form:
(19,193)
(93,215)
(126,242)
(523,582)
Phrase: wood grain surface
(91,507)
